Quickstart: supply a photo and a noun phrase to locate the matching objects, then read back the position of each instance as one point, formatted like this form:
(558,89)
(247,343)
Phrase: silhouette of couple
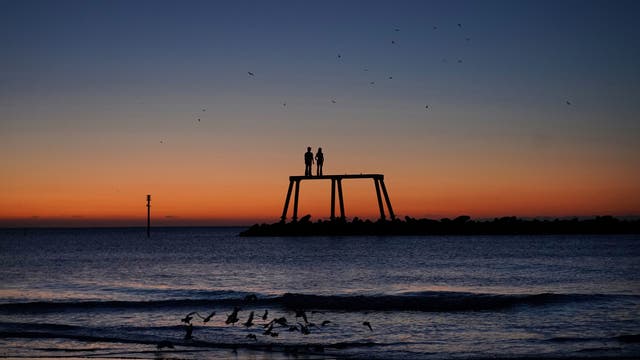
(308,161)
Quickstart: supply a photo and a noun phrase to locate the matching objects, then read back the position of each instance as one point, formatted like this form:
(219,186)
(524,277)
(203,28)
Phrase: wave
(431,301)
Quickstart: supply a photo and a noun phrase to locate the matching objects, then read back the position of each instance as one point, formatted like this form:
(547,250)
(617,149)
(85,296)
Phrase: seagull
(568,102)
(187,319)
(250,73)
(435,28)
(426,106)
(203,110)
(468,39)
(165,344)
(396,29)
(459,25)
(390,77)
(339,56)
(393,41)
(161,142)
(189,330)
(367,324)
(459,61)
(372,83)
(206,320)
(249,321)
(365,70)
(303,315)
(233,317)
(333,101)
(264,316)
(284,104)
(198,120)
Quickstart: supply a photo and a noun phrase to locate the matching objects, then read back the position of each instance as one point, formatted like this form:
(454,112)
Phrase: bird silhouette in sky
(284,104)
(390,77)
(250,73)
(396,29)
(393,42)
(233,317)
(372,83)
(568,102)
(459,25)
(203,110)
(333,101)
(187,319)
(198,120)
(339,56)
(435,28)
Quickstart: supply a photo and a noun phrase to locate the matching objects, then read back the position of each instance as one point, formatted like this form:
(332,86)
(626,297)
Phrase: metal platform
(378,180)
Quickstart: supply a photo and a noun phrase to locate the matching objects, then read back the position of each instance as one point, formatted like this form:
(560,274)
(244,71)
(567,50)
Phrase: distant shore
(462,225)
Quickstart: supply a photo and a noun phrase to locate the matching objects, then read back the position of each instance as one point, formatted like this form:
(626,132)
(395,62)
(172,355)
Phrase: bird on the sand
(249,321)
(367,324)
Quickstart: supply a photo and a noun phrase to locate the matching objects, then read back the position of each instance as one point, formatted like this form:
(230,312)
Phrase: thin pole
(148,215)
(375,180)
(286,201)
(295,201)
(386,198)
(341,199)
(333,199)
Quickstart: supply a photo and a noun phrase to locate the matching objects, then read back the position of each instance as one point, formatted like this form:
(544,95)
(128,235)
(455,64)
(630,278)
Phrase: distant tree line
(461,225)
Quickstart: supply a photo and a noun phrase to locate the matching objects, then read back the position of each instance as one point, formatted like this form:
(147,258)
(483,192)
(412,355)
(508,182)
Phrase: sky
(533,108)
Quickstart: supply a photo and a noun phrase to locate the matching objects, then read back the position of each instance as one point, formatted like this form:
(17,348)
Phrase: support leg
(340,198)
(295,201)
(382,217)
(386,199)
(333,199)
(286,202)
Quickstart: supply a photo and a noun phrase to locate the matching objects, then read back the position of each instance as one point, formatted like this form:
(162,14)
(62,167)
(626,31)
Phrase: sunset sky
(533,108)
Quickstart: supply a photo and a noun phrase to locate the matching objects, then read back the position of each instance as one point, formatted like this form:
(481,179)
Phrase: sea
(113,293)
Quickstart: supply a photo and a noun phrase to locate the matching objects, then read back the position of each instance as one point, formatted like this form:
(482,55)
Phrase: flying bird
(367,324)
(568,102)
(249,321)
(435,28)
(393,41)
(396,29)
(390,77)
(233,317)
(250,73)
(459,61)
(198,120)
(187,319)
(426,106)
(333,101)
(208,318)
(203,110)
(459,25)
(372,83)
(284,104)
(339,56)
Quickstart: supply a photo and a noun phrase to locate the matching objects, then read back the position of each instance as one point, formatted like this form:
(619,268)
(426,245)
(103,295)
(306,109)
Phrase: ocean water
(113,293)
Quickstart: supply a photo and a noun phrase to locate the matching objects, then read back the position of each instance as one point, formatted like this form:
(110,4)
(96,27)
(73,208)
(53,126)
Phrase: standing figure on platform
(308,161)
(319,161)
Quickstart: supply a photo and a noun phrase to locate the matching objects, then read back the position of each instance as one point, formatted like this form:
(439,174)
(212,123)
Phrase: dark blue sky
(497,86)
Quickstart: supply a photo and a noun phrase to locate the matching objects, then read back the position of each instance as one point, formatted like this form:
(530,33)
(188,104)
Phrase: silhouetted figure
(301,313)
(264,316)
(319,161)
(308,161)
